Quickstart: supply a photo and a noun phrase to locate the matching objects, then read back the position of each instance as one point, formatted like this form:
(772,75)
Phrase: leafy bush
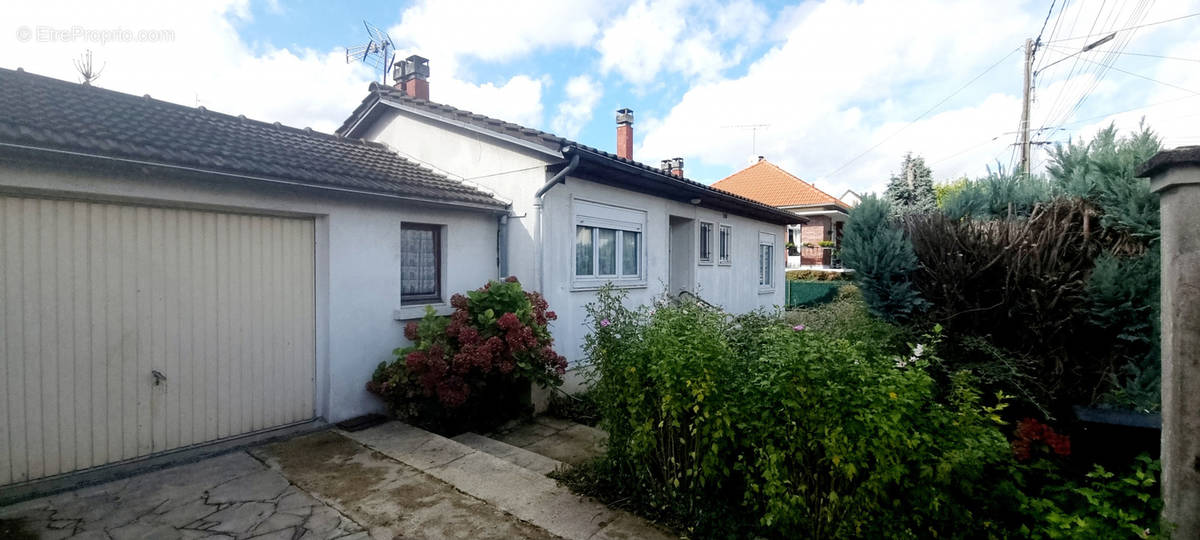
(847,317)
(750,426)
(882,259)
(818,275)
(1100,506)
(468,368)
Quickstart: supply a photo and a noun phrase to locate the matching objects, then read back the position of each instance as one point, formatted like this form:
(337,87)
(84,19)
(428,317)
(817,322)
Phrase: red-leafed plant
(1030,432)
(473,368)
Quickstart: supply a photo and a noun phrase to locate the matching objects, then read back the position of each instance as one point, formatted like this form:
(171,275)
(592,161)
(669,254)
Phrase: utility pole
(1028,91)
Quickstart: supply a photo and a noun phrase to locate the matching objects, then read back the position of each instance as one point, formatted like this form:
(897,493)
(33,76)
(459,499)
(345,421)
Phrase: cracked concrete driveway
(231,496)
(316,486)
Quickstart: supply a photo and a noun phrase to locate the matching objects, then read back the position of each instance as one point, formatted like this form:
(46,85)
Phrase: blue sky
(844,87)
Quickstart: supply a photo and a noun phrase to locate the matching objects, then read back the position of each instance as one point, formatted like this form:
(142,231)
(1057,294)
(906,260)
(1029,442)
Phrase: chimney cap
(624,116)
(413,67)
(677,163)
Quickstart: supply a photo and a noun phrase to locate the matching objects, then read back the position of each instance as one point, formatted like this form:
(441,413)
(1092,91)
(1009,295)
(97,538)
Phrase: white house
(172,276)
(582,217)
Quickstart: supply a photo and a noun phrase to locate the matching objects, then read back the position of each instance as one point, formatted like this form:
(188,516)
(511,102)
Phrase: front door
(681,247)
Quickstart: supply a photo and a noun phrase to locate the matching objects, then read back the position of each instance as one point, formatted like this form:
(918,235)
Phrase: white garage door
(131,330)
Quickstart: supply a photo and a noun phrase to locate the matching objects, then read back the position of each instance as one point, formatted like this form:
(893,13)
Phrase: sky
(836,92)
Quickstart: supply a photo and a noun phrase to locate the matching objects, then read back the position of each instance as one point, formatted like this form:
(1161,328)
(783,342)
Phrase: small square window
(420,263)
(706,242)
(725,244)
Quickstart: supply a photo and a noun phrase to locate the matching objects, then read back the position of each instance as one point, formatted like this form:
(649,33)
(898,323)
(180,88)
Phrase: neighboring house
(171,276)
(582,217)
(823,215)
(851,198)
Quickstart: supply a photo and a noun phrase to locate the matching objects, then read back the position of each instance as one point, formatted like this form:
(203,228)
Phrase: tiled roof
(44,113)
(765,182)
(549,141)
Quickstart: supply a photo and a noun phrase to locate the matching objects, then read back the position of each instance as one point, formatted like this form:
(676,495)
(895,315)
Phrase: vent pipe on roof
(412,76)
(625,133)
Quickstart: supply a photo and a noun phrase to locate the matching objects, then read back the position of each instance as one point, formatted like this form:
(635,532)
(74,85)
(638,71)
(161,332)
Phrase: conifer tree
(911,191)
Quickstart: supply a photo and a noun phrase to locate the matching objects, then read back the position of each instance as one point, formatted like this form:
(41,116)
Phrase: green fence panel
(811,293)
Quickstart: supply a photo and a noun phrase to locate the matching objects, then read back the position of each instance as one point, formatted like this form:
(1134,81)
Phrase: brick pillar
(1175,176)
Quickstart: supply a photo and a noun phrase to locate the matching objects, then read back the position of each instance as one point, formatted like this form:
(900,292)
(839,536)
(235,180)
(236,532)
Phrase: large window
(766,261)
(602,252)
(725,244)
(706,242)
(608,245)
(420,263)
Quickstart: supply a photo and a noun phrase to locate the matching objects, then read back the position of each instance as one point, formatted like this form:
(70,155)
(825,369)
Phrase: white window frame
(712,230)
(605,216)
(726,258)
(766,269)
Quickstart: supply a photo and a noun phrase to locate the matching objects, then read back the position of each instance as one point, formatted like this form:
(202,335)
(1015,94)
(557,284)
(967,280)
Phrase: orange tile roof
(765,182)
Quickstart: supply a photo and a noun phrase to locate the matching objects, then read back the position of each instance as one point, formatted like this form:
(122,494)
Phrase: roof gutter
(539,227)
(751,208)
(129,161)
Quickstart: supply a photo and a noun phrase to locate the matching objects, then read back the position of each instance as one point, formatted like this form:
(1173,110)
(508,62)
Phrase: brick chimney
(677,167)
(412,76)
(625,133)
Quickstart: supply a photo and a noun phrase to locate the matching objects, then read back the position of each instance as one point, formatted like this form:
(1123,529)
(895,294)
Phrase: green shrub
(1101,506)
(818,275)
(473,369)
(847,317)
(882,259)
(749,426)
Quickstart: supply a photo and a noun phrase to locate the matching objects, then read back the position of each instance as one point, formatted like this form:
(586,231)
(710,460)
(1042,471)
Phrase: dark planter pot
(1118,417)
(1113,437)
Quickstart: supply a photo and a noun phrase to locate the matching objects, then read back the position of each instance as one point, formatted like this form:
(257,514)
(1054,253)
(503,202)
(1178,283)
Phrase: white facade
(542,234)
(355,266)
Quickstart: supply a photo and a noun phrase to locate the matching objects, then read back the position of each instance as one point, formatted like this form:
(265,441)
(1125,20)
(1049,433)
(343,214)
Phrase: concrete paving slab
(388,497)
(513,454)
(523,493)
(414,446)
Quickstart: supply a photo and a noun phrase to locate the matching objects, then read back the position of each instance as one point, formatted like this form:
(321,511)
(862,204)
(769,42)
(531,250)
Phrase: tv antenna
(753,133)
(87,71)
(377,53)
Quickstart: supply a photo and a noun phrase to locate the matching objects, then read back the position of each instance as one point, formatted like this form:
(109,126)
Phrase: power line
(922,115)
(1128,28)
(1175,86)
(1123,53)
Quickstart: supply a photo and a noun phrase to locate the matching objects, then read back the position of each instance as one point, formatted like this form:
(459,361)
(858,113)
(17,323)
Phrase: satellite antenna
(377,53)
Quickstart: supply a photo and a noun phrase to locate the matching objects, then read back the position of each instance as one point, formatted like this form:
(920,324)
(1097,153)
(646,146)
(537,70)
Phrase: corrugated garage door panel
(97,297)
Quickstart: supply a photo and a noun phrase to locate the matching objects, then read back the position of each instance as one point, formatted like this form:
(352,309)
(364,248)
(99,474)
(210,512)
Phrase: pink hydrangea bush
(496,342)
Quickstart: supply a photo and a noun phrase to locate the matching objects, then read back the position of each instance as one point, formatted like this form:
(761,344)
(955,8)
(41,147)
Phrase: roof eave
(45,152)
(670,184)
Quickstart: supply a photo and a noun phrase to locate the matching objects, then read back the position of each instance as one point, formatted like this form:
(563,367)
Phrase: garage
(129,330)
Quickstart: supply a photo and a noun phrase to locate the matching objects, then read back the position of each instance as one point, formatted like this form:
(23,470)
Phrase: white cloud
(850,75)
(575,111)
(694,38)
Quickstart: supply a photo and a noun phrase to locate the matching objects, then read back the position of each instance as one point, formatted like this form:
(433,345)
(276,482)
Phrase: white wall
(514,174)
(357,266)
(733,287)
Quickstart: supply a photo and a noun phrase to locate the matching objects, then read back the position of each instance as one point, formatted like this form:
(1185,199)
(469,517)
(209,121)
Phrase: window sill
(767,291)
(725,263)
(705,263)
(416,311)
(580,286)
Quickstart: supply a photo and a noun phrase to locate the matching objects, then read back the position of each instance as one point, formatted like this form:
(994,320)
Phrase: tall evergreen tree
(911,191)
